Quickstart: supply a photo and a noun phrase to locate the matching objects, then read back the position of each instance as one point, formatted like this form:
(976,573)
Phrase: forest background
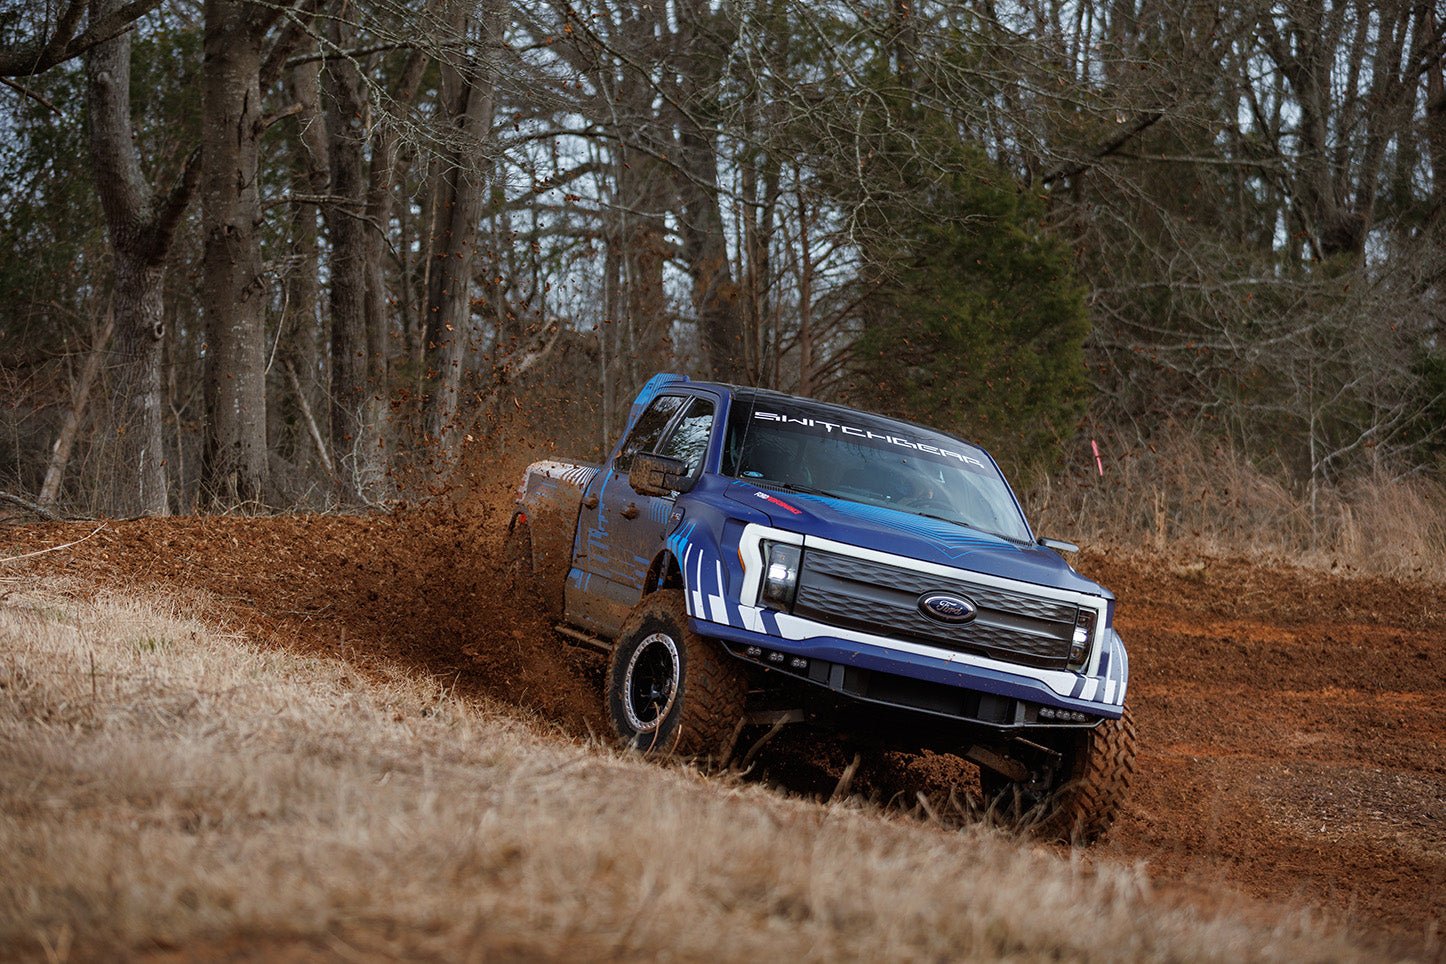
(1181,266)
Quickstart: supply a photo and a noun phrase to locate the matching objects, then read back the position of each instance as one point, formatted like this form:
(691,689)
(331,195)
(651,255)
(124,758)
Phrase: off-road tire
(1087,794)
(708,694)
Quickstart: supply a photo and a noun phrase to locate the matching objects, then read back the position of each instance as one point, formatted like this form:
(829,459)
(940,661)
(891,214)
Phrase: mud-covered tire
(697,715)
(1087,794)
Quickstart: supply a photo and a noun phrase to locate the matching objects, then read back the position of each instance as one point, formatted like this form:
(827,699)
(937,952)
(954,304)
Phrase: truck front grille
(873,597)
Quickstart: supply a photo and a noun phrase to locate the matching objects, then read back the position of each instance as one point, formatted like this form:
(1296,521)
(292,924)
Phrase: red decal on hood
(778,502)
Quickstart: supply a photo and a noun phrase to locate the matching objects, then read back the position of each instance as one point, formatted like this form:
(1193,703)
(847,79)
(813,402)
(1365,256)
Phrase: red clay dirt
(1291,722)
(1291,731)
(421,590)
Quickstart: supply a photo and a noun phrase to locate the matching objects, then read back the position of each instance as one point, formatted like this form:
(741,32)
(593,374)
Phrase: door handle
(630,511)
(590,502)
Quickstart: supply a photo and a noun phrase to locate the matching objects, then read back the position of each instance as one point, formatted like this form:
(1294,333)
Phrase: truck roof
(751,392)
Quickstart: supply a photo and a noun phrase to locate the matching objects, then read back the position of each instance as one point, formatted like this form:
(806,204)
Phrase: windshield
(790,444)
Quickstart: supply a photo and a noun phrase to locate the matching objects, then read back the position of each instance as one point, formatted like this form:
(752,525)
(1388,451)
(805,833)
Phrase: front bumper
(914,681)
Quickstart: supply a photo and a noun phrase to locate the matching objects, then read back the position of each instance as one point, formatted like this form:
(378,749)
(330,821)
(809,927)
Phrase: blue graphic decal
(677,544)
(770,622)
(648,392)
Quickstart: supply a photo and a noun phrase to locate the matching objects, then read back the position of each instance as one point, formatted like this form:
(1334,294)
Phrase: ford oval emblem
(948,608)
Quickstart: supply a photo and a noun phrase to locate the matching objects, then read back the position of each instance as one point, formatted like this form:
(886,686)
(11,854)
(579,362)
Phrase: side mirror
(1059,545)
(659,475)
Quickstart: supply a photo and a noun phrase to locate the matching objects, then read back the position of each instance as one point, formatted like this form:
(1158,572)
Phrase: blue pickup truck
(746,557)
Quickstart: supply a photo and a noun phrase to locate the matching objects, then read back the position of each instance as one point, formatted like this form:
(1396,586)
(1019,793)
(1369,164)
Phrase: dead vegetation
(1184,494)
(164,786)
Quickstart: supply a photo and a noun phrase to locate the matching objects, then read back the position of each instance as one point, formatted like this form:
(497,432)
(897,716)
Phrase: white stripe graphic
(698,610)
(692,599)
(715,601)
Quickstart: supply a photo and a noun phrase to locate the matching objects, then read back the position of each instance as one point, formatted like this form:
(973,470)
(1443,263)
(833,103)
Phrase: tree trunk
(644,251)
(140,234)
(353,433)
(234,462)
(136,358)
(79,397)
(469,102)
(705,248)
(303,343)
(716,296)
(805,298)
(1436,122)
(385,170)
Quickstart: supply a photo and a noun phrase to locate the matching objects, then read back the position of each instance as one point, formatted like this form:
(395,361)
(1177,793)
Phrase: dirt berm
(1291,721)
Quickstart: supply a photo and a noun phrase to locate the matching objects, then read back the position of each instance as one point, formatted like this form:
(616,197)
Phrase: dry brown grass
(1182,492)
(167,788)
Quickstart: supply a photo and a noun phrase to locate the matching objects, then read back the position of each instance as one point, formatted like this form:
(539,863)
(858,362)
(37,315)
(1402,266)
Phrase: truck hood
(917,537)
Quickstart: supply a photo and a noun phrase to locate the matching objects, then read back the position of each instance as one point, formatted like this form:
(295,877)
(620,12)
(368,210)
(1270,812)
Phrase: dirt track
(1291,722)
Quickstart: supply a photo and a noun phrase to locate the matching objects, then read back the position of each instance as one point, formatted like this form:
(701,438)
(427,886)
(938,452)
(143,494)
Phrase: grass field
(167,790)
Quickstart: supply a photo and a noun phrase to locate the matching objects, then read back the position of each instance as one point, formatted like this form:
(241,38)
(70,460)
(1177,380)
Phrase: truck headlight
(1084,631)
(780,574)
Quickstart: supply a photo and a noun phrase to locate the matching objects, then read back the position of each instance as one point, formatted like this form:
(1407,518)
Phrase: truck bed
(550,499)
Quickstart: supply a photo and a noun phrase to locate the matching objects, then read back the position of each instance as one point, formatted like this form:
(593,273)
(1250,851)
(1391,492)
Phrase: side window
(738,418)
(689,439)
(649,429)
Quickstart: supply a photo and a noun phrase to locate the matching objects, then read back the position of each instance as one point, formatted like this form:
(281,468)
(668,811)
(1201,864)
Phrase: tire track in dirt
(1291,727)
(1291,722)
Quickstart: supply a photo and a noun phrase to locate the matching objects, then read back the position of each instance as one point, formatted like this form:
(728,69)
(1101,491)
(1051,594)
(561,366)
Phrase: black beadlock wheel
(1086,795)
(669,690)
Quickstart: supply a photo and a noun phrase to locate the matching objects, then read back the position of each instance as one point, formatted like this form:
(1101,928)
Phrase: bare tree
(302,342)
(1253,193)
(468,102)
(141,227)
(70,32)
(354,430)
(235,465)
(702,50)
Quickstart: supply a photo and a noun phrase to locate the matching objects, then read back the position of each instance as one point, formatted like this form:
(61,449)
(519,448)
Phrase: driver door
(629,526)
(597,593)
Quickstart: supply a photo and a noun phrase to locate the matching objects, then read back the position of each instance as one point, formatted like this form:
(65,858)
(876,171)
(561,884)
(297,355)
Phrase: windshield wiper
(806,489)
(967,525)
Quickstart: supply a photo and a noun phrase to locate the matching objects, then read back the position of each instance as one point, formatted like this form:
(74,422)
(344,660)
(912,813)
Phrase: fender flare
(664,572)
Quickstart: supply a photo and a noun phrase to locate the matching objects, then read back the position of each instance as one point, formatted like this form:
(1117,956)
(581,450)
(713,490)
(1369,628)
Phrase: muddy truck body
(747,558)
